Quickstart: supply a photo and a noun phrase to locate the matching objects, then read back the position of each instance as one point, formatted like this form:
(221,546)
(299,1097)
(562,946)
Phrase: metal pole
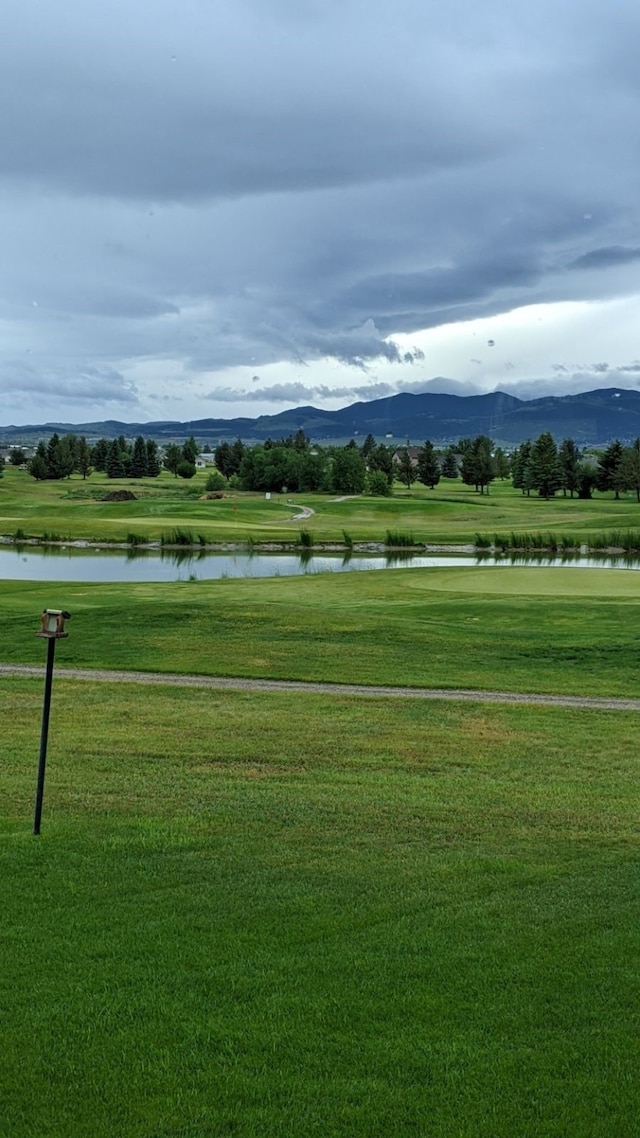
(44,734)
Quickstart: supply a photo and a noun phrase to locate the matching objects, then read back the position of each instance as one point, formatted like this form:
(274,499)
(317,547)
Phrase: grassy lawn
(522,629)
(450,513)
(276,915)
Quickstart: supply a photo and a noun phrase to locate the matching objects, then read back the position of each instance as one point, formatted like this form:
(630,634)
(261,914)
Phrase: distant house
(413,454)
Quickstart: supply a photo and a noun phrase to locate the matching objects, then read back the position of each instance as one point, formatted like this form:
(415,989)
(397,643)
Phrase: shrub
(186,469)
(378,484)
(215,481)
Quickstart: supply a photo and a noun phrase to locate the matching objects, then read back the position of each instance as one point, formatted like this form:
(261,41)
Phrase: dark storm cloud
(194,185)
(194,100)
(606,258)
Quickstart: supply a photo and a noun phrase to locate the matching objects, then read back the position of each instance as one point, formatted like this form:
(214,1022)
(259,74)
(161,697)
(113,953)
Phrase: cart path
(304,512)
(229,683)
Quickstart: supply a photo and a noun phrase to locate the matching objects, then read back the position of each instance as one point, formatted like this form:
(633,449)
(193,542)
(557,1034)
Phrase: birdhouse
(52,624)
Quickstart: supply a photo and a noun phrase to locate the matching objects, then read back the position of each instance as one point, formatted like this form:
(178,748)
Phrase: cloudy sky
(229,207)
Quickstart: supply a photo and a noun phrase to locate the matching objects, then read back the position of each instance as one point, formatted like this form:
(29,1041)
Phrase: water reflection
(72,563)
(395,557)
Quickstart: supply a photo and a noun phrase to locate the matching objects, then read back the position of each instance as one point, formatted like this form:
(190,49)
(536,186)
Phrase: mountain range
(592,417)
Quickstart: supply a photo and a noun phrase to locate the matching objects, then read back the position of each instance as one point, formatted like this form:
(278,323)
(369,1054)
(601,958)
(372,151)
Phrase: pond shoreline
(242,546)
(581,548)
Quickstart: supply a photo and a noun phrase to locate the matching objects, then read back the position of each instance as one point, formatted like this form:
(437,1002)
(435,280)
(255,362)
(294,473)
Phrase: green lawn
(522,629)
(450,513)
(274,915)
(269,914)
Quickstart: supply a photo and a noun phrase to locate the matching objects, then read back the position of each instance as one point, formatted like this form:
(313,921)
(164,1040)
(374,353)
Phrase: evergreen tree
(381,459)
(190,450)
(17,456)
(237,454)
(608,472)
(153,462)
(546,471)
(223,459)
(38,467)
(569,457)
(67,459)
(228,458)
(404,468)
(99,454)
(629,471)
(114,465)
(172,458)
(478,468)
(428,466)
(83,457)
(449,464)
(521,468)
(54,457)
(139,464)
(368,446)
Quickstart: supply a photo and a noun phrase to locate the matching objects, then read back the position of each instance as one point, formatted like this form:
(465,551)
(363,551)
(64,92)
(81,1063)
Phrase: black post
(44,734)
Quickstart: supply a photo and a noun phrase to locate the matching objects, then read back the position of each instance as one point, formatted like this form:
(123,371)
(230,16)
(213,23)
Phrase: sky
(213,208)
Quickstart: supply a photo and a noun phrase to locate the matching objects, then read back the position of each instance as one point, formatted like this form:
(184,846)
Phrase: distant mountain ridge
(592,417)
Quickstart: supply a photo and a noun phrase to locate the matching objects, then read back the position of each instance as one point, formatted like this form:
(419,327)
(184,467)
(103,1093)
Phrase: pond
(70,563)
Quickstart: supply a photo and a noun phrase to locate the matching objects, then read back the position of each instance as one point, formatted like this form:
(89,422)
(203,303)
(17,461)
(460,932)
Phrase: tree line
(545,468)
(65,455)
(295,465)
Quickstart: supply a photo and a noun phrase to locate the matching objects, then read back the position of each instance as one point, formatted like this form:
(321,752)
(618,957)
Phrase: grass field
(522,629)
(450,513)
(266,915)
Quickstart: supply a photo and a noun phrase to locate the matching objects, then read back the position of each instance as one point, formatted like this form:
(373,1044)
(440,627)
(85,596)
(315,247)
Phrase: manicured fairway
(259,915)
(569,631)
(275,915)
(450,513)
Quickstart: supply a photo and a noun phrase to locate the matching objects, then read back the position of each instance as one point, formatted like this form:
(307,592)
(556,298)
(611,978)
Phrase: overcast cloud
(215,209)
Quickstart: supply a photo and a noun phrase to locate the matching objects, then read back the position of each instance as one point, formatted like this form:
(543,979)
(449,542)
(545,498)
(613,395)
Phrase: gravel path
(223,683)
